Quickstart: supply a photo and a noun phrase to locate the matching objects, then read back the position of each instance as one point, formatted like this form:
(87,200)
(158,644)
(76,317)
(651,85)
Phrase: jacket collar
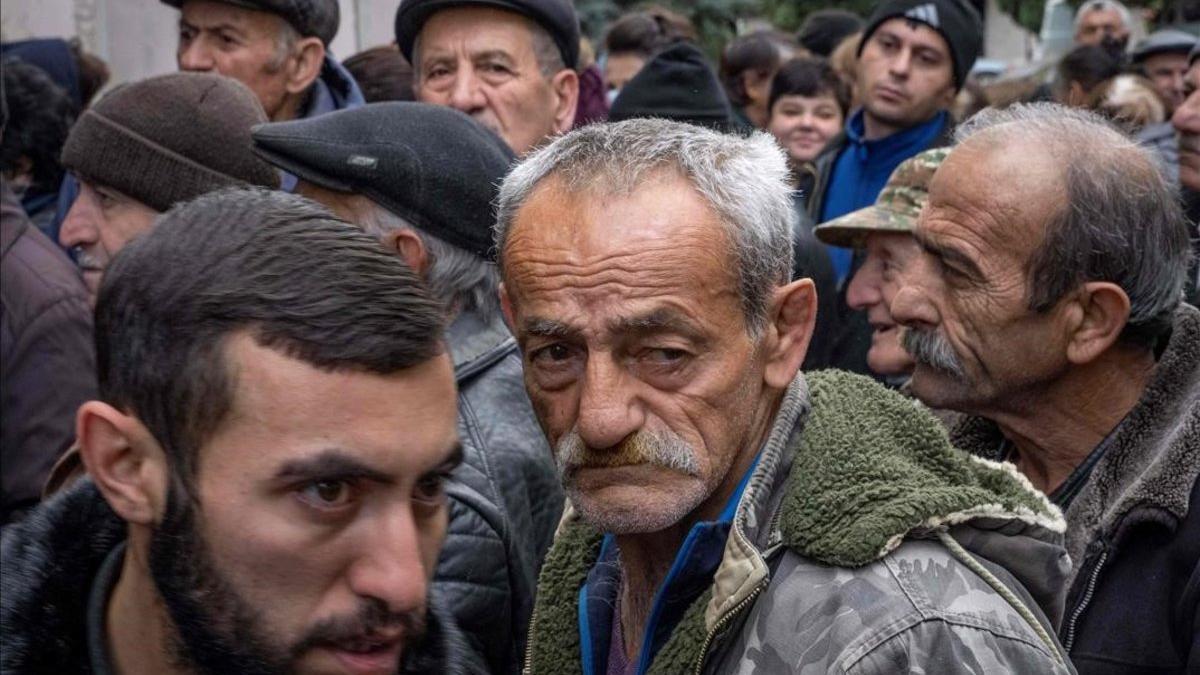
(477,342)
(15,220)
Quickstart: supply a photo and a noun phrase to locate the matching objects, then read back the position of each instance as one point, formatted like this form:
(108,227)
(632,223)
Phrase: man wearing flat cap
(1163,58)
(278,48)
(509,64)
(422,179)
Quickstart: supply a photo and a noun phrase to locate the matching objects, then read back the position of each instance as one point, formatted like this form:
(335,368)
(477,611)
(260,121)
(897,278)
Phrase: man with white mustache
(715,493)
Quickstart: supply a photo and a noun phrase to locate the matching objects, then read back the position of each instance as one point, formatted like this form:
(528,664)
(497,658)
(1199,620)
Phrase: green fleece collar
(870,467)
(873,466)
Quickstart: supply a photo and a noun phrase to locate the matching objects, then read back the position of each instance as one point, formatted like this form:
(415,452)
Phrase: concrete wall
(137,37)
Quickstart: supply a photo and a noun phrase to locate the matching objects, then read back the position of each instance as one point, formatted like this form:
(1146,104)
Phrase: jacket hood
(873,467)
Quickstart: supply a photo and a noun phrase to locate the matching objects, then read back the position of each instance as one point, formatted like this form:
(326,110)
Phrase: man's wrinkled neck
(1052,431)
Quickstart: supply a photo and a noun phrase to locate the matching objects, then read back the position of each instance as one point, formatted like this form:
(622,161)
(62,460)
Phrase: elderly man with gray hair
(422,179)
(1103,23)
(729,514)
(1047,303)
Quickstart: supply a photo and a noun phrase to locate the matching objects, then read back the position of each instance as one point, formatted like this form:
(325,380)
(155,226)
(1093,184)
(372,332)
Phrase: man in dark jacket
(1047,305)
(47,361)
(913,59)
(422,178)
(257,499)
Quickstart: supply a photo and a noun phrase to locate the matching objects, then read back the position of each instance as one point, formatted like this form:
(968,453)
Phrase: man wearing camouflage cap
(884,231)
(278,48)
(422,179)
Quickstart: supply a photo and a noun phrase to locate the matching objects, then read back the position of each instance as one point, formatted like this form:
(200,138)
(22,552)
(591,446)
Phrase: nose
(863,291)
(79,225)
(608,410)
(467,95)
(901,63)
(390,568)
(195,56)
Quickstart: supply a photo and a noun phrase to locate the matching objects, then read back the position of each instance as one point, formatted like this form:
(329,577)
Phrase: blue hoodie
(863,168)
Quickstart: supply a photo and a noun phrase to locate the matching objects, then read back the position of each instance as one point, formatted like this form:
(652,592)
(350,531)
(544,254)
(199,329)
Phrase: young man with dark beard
(257,502)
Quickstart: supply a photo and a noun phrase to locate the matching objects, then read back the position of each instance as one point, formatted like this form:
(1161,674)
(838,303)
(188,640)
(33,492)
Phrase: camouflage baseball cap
(895,210)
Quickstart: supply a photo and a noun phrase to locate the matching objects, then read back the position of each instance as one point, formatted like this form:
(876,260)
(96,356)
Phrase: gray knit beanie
(170,138)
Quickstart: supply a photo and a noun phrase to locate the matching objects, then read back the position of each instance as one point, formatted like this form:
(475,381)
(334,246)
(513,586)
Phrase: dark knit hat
(556,16)
(310,18)
(955,20)
(1166,41)
(824,29)
(170,138)
(431,165)
(677,84)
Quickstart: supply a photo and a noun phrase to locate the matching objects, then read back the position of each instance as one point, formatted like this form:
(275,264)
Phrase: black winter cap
(310,18)
(556,16)
(431,165)
(677,84)
(170,138)
(956,21)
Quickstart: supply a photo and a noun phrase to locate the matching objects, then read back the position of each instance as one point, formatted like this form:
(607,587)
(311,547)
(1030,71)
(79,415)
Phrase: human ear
(565,85)
(125,461)
(408,245)
(1097,317)
(304,64)
(793,315)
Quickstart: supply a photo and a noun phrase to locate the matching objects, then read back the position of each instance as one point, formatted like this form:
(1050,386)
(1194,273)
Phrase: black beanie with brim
(677,84)
(956,21)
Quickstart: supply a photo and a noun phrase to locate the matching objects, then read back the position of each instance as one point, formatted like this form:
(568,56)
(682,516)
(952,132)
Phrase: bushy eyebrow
(541,327)
(658,321)
(949,254)
(337,464)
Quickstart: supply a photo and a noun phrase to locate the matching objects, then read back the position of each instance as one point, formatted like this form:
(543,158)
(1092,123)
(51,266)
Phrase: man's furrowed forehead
(478,31)
(214,15)
(916,33)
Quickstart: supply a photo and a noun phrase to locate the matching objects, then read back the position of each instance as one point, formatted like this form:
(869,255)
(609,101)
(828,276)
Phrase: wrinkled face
(619,69)
(1097,25)
(1168,73)
(872,289)
(905,73)
(965,300)
(637,357)
(321,512)
(804,124)
(1187,122)
(100,223)
(236,42)
(481,61)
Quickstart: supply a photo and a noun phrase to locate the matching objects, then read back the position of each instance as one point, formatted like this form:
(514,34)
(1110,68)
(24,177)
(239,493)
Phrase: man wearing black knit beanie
(148,145)
(913,59)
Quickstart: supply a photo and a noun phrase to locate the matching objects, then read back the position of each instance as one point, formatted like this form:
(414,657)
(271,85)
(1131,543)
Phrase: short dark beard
(216,630)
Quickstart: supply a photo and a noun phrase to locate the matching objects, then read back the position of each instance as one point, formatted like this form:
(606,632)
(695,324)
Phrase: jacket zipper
(1083,603)
(528,669)
(724,620)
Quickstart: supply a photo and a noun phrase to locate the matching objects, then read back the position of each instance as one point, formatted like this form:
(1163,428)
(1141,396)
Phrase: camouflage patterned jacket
(863,543)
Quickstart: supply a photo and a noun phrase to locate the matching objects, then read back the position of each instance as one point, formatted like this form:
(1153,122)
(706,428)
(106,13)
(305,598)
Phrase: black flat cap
(556,16)
(677,84)
(431,165)
(310,18)
(1166,41)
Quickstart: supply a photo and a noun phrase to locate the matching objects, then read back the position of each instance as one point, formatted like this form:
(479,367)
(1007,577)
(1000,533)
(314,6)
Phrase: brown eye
(326,494)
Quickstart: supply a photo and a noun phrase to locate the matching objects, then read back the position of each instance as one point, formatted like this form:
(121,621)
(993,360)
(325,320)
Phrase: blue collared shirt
(863,168)
(690,574)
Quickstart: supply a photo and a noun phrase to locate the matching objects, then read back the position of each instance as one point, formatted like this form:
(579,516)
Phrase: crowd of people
(494,350)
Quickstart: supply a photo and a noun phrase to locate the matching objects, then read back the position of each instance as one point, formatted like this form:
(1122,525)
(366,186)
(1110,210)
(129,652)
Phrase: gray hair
(1122,221)
(460,280)
(285,42)
(745,180)
(545,51)
(1090,6)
